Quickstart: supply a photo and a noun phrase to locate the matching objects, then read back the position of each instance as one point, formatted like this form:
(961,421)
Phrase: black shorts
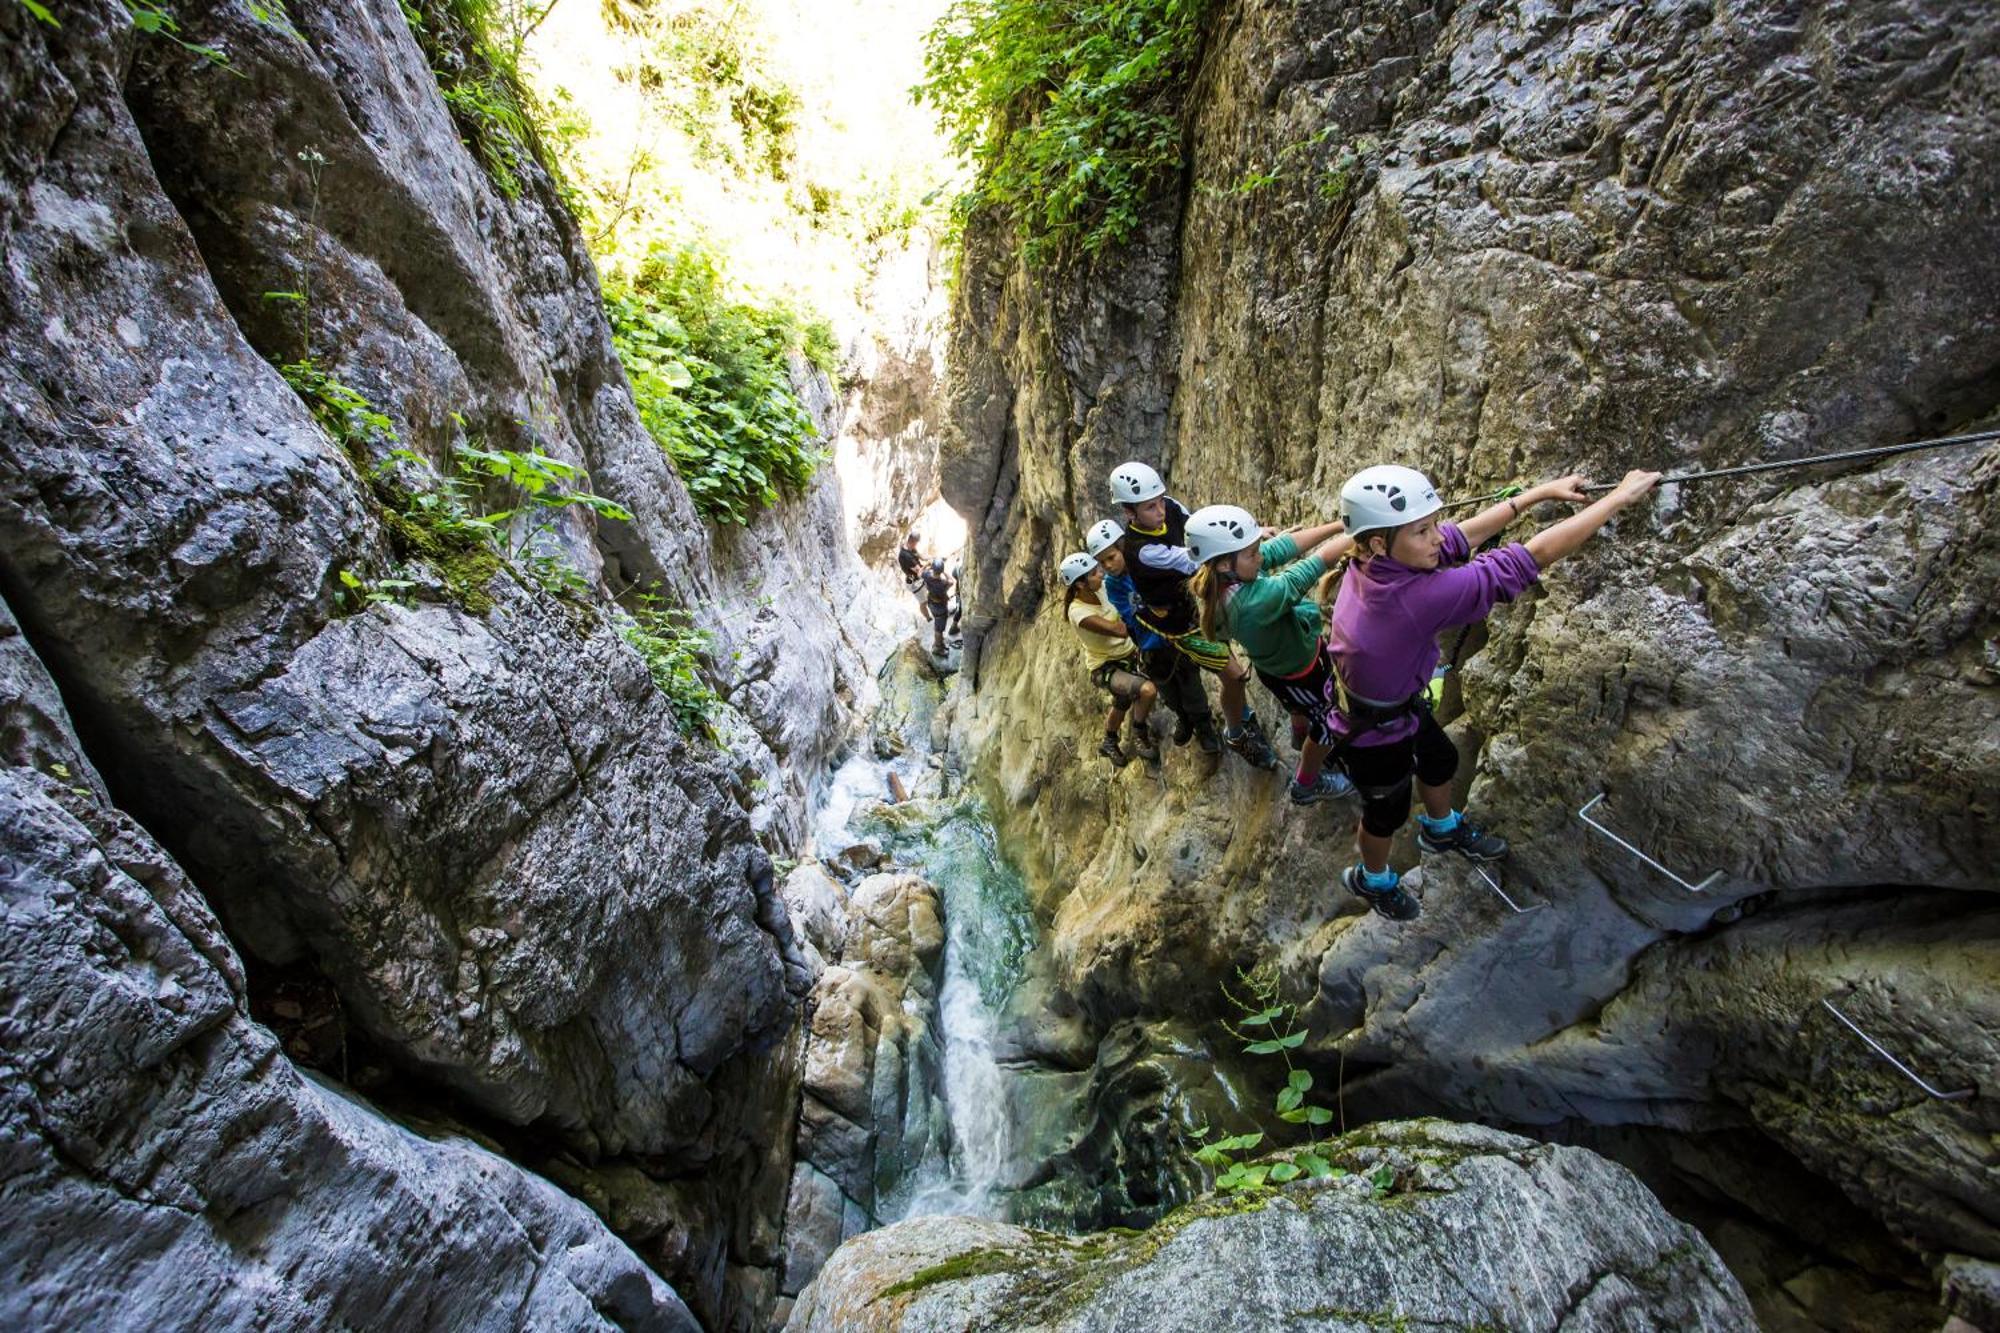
(1120,679)
(1311,695)
(940,613)
(1382,773)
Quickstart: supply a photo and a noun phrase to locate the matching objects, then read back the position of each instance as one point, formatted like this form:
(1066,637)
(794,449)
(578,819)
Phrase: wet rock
(1474,1225)
(818,907)
(166,1164)
(872,1105)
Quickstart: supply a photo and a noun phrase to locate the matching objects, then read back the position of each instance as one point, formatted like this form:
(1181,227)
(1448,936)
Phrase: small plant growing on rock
(667,640)
(1267,1026)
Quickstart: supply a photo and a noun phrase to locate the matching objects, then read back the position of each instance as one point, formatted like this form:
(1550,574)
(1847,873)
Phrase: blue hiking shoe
(1466,838)
(1395,902)
(1330,785)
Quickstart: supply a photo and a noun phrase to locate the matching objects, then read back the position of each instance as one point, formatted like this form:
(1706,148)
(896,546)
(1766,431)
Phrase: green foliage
(38,10)
(157,20)
(342,412)
(712,382)
(666,639)
(1266,1027)
(709,70)
(1070,110)
(474,48)
(356,593)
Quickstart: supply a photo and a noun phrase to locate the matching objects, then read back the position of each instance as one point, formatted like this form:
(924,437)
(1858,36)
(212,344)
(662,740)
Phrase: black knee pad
(1385,809)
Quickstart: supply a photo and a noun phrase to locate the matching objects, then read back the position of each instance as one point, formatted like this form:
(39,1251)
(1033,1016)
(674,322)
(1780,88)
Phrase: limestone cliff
(464,808)
(1501,242)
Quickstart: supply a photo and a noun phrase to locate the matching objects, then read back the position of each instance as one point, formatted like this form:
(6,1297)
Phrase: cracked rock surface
(1470,1228)
(1502,242)
(163,1163)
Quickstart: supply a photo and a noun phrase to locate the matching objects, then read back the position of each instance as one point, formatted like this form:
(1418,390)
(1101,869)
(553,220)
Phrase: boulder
(1433,1225)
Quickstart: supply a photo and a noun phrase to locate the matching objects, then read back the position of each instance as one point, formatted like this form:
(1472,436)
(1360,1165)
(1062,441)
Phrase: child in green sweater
(1259,593)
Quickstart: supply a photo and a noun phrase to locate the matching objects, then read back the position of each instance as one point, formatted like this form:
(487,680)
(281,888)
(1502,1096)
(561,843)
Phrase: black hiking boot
(1108,747)
(1467,839)
(1395,902)
(1256,751)
(1183,728)
(1205,736)
(1143,744)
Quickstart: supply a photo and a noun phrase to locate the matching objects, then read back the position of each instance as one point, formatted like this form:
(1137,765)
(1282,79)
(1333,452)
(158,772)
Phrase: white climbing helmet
(1134,483)
(1386,496)
(1214,530)
(1074,567)
(1103,535)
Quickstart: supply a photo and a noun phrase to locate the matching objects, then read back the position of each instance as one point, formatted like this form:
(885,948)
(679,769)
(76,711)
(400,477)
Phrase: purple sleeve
(1456,548)
(1461,594)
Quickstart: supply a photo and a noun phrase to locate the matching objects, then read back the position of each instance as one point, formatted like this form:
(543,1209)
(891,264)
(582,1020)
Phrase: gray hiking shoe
(1331,784)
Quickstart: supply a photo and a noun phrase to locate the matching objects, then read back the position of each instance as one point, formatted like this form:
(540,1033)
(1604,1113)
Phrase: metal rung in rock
(1494,884)
(1584,815)
(1901,1068)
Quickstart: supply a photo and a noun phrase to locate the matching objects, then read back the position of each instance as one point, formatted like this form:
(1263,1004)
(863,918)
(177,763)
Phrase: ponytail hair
(1210,587)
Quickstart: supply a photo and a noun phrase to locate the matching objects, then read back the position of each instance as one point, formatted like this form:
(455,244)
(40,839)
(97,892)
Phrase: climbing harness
(1584,815)
(1901,1068)
(1849,456)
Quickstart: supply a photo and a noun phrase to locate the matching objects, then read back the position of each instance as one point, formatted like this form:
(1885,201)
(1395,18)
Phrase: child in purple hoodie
(1411,577)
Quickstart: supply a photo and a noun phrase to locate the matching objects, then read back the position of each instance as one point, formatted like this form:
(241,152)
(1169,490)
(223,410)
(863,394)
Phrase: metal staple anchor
(1494,885)
(1584,815)
(1901,1068)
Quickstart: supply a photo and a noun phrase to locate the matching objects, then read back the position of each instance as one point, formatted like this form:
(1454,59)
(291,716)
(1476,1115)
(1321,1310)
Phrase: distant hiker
(954,630)
(1157,561)
(1113,658)
(937,600)
(911,562)
(1412,576)
(1260,593)
(1177,679)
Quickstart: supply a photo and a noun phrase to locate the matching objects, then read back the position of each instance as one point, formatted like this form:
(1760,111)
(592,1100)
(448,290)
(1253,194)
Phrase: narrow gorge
(488,843)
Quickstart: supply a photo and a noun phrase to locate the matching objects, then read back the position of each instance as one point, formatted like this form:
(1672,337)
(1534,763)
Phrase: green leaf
(1293,1041)
(1314,1165)
(1318,1115)
(1289,1099)
(1256,1175)
(1300,1079)
(1382,1177)
(1263,1016)
(1283,1171)
(1240,1142)
(35,8)
(1297,1115)
(1264,1047)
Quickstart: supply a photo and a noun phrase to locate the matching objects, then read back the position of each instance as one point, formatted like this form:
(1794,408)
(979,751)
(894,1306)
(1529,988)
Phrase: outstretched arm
(1490,521)
(1558,540)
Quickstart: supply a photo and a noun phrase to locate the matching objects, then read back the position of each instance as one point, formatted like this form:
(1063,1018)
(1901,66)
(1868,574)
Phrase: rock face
(1468,1225)
(163,1160)
(1504,242)
(871,1109)
(466,808)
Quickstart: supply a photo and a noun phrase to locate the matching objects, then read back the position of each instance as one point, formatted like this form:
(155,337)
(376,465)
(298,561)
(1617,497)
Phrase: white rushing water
(987,929)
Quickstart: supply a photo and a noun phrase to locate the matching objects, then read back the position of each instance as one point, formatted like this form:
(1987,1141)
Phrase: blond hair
(1211,594)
